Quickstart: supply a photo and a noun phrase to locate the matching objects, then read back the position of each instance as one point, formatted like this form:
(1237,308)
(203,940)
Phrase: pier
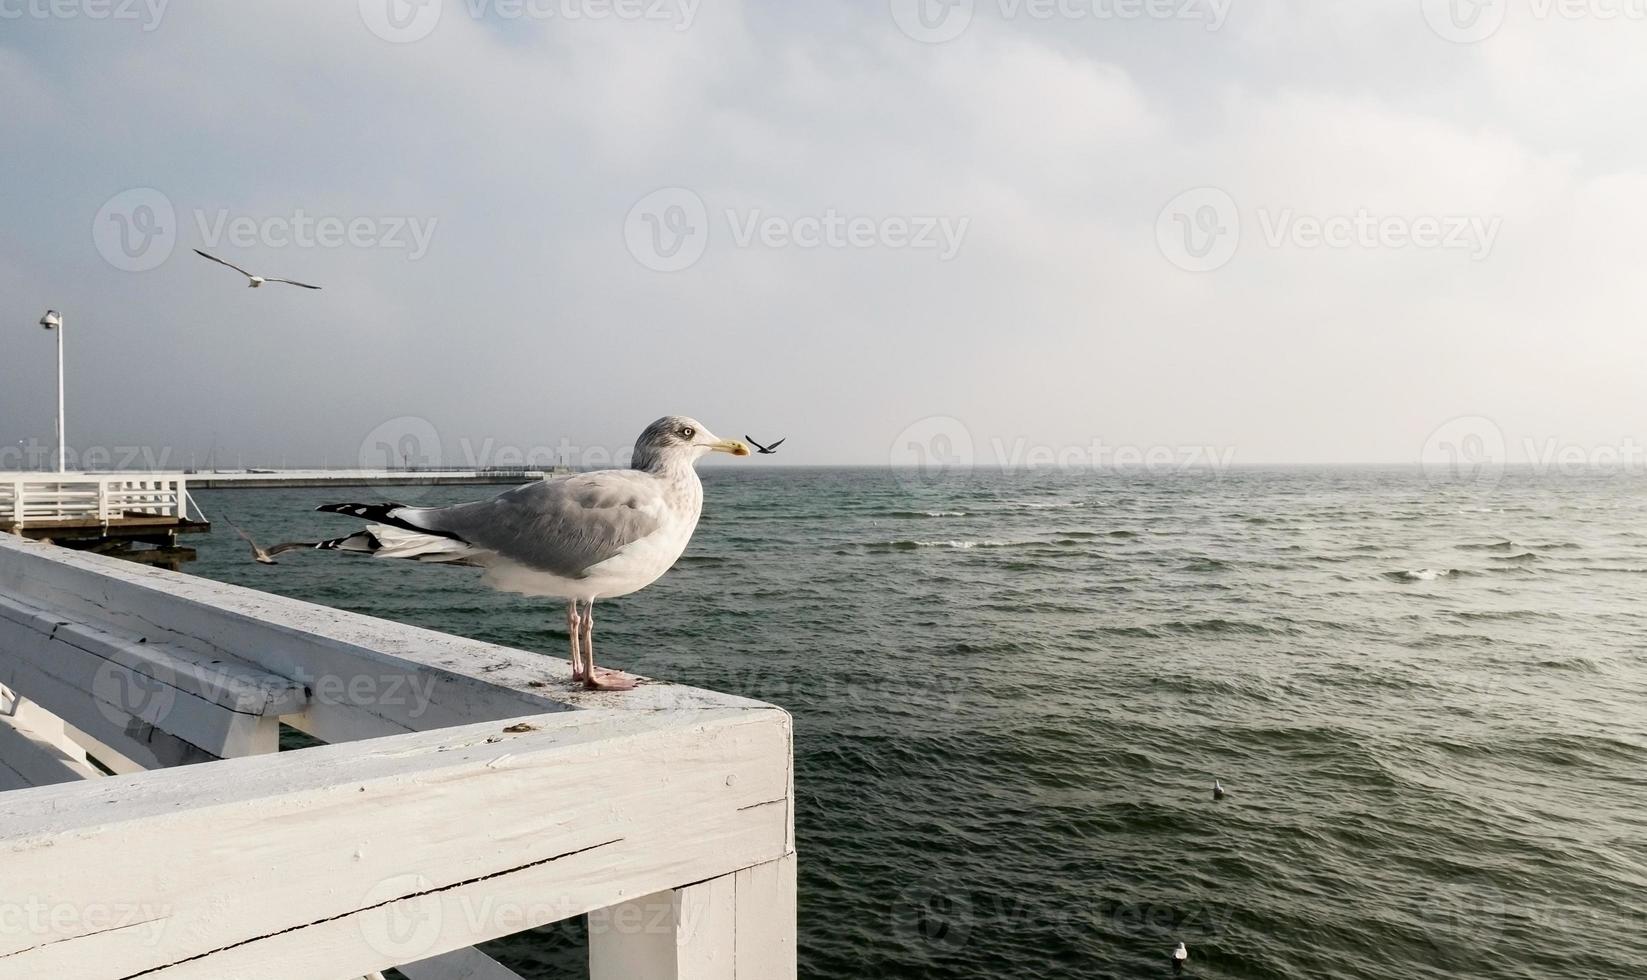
(155,822)
(107,512)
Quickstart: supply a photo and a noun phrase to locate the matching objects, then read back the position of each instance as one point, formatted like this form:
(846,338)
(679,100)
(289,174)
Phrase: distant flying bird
(256,281)
(765,450)
(1217,790)
(1179,955)
(266,557)
(579,537)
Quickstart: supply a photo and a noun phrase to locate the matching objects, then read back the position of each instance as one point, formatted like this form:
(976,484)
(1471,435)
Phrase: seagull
(580,537)
(765,450)
(266,557)
(1217,790)
(1179,955)
(256,281)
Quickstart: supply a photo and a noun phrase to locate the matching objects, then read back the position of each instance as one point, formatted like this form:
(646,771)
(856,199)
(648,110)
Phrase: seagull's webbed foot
(610,680)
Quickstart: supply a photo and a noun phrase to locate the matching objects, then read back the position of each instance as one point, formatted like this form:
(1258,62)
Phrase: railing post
(103,499)
(17,503)
(735,926)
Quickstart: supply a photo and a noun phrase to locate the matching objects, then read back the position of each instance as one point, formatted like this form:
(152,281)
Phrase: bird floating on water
(1179,955)
(256,281)
(580,537)
(1217,790)
(765,450)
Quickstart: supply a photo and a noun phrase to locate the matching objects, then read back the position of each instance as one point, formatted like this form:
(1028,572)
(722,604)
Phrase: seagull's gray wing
(293,282)
(219,261)
(563,526)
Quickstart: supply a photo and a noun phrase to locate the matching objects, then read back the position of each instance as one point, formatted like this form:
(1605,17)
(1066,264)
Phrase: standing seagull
(1179,955)
(1217,790)
(256,281)
(581,537)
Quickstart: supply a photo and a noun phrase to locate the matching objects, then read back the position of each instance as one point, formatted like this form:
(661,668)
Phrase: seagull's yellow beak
(732,446)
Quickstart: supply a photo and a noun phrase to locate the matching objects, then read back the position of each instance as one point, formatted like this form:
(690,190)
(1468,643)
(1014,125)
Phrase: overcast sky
(1320,230)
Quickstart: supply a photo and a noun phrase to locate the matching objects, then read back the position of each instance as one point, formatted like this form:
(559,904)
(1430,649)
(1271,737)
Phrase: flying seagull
(256,281)
(580,537)
(765,450)
(266,557)
(1179,955)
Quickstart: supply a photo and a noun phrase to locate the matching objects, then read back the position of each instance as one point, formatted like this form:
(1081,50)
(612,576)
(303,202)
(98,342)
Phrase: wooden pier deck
(152,826)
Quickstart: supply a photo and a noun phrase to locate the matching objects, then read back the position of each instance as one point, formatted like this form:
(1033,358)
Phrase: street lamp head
(51,320)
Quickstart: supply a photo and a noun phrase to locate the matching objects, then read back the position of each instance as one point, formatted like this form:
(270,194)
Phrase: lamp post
(54,321)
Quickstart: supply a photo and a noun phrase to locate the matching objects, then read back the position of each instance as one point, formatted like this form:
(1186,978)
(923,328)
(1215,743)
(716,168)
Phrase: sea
(1012,692)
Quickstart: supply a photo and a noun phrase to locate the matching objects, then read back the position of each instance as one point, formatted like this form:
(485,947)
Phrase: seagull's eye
(688,432)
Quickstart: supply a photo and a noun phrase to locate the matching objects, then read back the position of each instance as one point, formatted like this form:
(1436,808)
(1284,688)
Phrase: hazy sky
(1318,230)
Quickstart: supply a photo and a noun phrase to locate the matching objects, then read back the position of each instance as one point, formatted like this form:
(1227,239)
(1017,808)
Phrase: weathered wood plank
(343,859)
(366,677)
(739,926)
(113,686)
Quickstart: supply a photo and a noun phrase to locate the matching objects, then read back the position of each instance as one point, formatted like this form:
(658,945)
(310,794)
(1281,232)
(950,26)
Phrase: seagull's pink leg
(594,679)
(574,627)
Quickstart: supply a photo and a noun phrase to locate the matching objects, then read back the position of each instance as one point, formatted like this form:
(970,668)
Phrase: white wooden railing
(52,498)
(470,791)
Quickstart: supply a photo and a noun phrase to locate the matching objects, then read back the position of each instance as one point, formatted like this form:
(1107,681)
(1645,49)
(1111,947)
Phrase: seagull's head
(676,438)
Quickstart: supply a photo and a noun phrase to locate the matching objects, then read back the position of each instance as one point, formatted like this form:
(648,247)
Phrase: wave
(955,544)
(915,515)
(1523,557)
(1502,545)
(1424,574)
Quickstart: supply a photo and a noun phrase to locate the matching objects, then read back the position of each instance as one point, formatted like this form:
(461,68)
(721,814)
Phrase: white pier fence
(468,792)
(43,499)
